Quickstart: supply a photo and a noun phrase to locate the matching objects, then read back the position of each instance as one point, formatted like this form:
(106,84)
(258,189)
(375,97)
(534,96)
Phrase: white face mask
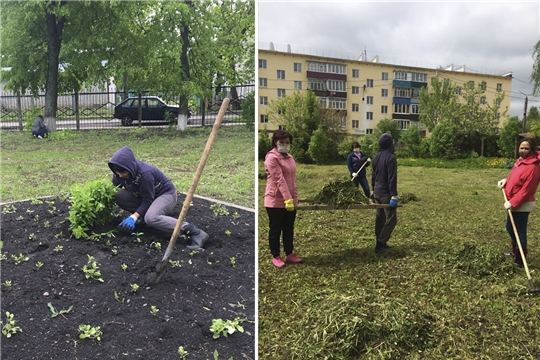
(284,149)
(356,150)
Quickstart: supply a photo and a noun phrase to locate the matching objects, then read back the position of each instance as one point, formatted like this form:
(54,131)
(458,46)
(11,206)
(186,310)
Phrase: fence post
(77,117)
(140,109)
(19,111)
(204,104)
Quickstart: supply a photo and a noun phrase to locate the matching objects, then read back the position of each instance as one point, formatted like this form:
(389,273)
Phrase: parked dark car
(153,109)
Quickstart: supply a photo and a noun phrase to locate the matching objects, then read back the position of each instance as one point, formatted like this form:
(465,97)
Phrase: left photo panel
(127,156)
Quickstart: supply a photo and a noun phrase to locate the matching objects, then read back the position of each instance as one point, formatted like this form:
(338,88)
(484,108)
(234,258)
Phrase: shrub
(344,148)
(91,204)
(319,147)
(265,144)
(248,111)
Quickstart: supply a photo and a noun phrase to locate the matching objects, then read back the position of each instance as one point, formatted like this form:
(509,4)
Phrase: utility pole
(525,113)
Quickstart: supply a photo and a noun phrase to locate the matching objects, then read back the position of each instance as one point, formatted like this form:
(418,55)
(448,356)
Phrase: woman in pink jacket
(281,197)
(520,187)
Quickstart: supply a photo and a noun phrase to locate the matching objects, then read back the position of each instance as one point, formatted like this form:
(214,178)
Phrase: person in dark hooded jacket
(148,194)
(384,184)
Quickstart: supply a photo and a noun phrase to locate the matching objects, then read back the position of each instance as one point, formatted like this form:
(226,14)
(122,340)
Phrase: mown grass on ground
(446,293)
(32,168)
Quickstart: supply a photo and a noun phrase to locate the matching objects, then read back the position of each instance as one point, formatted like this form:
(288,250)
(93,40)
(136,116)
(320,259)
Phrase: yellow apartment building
(365,92)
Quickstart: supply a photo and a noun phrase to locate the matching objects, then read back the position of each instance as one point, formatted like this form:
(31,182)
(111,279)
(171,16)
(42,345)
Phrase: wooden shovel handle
(196,178)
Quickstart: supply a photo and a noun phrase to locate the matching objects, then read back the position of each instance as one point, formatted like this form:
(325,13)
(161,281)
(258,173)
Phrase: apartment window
(323,102)
(355,107)
(316,84)
(400,75)
(280,93)
(369,115)
(355,73)
(401,108)
(369,83)
(483,85)
(337,69)
(369,100)
(263,100)
(264,119)
(499,87)
(482,100)
(338,104)
(355,124)
(262,64)
(281,127)
(336,85)
(369,131)
(498,103)
(356,89)
(458,91)
(384,76)
(384,92)
(281,74)
(297,67)
(343,121)
(403,124)
(384,109)
(263,82)
(402,92)
(419,77)
(297,85)
(415,109)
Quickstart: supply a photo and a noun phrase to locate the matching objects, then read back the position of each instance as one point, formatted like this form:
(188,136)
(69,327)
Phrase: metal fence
(94,110)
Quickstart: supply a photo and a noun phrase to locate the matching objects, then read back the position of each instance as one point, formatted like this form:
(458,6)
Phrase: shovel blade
(154,277)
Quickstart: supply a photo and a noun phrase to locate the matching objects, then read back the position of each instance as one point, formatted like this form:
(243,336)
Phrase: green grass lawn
(446,293)
(32,168)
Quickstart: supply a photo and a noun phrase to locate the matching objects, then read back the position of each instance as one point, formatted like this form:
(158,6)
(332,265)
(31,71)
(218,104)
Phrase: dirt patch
(218,283)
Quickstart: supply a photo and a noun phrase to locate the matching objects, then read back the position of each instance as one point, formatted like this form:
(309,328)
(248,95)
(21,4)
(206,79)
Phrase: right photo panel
(398,166)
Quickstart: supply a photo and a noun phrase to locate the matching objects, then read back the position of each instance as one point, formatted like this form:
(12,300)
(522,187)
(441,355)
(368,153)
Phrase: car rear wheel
(126,120)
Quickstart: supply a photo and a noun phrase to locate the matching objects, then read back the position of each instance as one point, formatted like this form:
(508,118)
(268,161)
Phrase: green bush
(30,116)
(91,204)
(320,147)
(344,148)
(265,144)
(248,111)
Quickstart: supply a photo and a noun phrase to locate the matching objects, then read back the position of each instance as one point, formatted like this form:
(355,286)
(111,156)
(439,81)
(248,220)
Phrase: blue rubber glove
(393,202)
(128,224)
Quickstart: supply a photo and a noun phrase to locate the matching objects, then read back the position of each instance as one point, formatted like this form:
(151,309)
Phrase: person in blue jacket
(148,194)
(355,160)
(384,183)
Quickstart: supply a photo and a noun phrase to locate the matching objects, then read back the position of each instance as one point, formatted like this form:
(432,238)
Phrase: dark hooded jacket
(384,168)
(146,181)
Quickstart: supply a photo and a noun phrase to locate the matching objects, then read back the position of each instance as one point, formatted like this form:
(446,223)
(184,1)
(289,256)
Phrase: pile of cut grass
(340,192)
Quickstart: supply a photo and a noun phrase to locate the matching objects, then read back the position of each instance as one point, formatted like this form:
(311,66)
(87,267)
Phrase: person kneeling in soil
(148,194)
(520,187)
(39,129)
(384,183)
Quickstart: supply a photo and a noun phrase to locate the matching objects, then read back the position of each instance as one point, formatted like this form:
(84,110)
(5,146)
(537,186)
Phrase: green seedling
(228,232)
(32,237)
(39,264)
(28,211)
(3,256)
(175,263)
(9,209)
(220,327)
(36,218)
(240,305)
(124,266)
(183,353)
(153,310)
(193,253)
(47,224)
(235,215)
(216,355)
(117,297)
(108,243)
(156,245)
(36,202)
(219,209)
(7,283)
(9,328)
(114,251)
(134,288)
(91,270)
(19,259)
(20,217)
(58,248)
(56,313)
(233,261)
(90,332)
(59,235)
(138,236)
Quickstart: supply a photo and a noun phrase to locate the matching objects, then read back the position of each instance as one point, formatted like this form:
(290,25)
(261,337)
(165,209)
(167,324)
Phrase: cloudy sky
(487,37)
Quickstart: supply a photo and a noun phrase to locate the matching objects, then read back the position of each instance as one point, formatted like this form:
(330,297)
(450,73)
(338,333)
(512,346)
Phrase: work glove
(289,205)
(507,205)
(393,202)
(128,224)
(368,161)
(502,183)
(353,174)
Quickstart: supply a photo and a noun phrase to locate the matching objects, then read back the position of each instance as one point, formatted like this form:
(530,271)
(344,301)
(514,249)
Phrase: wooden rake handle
(195,181)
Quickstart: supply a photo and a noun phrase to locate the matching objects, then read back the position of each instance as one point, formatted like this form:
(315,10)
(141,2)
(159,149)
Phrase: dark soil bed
(218,283)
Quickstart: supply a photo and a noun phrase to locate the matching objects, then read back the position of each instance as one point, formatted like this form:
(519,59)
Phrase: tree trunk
(54,41)
(183,111)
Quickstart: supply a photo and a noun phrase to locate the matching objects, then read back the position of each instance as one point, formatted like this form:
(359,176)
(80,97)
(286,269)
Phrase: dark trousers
(281,224)
(520,219)
(362,181)
(385,220)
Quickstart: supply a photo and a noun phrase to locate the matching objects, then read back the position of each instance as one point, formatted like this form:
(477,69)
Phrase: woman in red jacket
(281,197)
(520,187)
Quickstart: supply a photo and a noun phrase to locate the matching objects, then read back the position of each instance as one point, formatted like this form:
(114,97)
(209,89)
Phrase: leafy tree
(248,111)
(508,137)
(437,103)
(344,147)
(535,75)
(265,143)
(387,126)
(319,147)
(301,114)
(370,145)
(533,116)
(443,142)
(413,140)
